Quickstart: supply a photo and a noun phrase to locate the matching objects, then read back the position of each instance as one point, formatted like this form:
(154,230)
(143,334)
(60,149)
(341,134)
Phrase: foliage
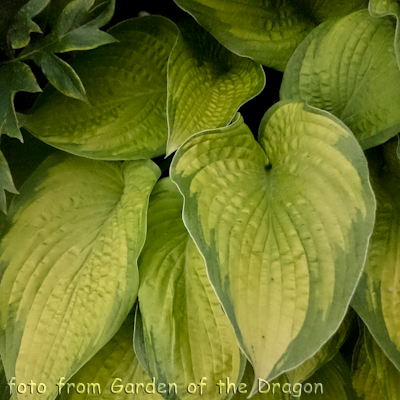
(156,247)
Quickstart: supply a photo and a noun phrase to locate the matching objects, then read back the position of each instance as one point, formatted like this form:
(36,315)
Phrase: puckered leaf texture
(283,225)
(68,264)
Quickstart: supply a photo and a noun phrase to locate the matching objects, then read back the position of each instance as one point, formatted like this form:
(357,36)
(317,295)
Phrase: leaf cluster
(157,247)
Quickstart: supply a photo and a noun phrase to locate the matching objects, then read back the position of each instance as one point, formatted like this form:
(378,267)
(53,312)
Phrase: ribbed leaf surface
(113,373)
(283,226)
(126,86)
(206,84)
(377,297)
(68,271)
(266,31)
(187,337)
(349,68)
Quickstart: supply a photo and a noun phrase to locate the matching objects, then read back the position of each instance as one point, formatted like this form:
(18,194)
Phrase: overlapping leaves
(376,298)
(206,84)
(268,31)
(349,68)
(113,373)
(126,85)
(68,264)
(182,335)
(374,376)
(283,226)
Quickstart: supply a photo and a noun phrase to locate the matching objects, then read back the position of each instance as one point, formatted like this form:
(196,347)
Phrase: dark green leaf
(19,33)
(61,75)
(14,77)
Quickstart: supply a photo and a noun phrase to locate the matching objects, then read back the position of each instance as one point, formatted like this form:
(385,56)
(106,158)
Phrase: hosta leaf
(283,226)
(126,86)
(324,354)
(277,389)
(61,75)
(379,8)
(206,84)
(375,377)
(114,372)
(376,299)
(363,377)
(6,183)
(14,77)
(331,381)
(348,67)
(68,264)
(19,33)
(386,373)
(187,337)
(267,31)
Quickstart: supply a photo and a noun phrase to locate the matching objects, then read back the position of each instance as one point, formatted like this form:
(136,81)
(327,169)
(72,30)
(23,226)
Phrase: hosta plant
(161,238)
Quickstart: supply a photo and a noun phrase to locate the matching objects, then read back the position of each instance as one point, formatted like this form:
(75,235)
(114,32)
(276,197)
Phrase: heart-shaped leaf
(206,84)
(126,86)
(68,264)
(349,68)
(376,297)
(283,226)
(265,31)
(187,338)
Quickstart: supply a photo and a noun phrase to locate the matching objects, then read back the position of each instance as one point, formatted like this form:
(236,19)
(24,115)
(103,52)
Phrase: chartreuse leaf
(376,299)
(6,182)
(283,226)
(267,31)
(331,381)
(324,354)
(126,85)
(206,84)
(349,67)
(113,373)
(14,77)
(187,338)
(375,377)
(18,35)
(68,264)
(277,389)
